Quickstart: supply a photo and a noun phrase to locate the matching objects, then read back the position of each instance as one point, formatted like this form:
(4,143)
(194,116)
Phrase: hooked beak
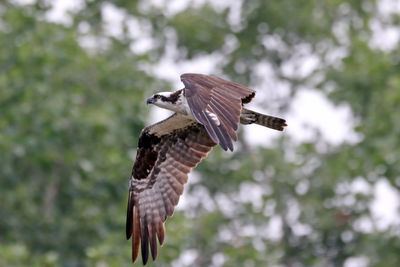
(151,100)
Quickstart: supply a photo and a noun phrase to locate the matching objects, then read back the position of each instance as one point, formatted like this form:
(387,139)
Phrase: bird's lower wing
(163,161)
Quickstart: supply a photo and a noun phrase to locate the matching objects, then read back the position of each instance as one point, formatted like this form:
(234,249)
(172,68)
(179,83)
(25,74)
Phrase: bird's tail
(250,117)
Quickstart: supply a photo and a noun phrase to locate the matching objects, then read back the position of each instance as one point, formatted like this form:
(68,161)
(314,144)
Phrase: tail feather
(250,117)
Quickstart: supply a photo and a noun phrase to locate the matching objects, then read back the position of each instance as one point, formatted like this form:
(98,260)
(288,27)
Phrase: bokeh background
(74,76)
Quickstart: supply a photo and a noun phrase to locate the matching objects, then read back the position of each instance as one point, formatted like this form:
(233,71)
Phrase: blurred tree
(71,105)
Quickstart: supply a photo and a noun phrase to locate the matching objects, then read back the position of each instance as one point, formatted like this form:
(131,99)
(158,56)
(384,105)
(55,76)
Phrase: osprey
(207,112)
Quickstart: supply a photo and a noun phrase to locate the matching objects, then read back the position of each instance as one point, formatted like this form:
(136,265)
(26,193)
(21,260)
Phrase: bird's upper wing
(216,104)
(167,151)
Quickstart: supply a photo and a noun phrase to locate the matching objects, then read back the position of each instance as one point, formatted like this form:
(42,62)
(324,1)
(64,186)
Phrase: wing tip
(145,246)
(160,233)
(129,217)
(136,235)
(149,234)
(153,241)
(248,98)
(226,146)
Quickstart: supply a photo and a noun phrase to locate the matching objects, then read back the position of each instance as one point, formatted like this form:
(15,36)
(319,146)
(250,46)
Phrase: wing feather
(145,240)
(129,216)
(229,131)
(206,122)
(152,239)
(160,232)
(136,240)
(221,109)
(163,161)
(210,96)
(223,137)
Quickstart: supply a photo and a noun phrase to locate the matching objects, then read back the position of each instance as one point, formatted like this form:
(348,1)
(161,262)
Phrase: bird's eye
(156,96)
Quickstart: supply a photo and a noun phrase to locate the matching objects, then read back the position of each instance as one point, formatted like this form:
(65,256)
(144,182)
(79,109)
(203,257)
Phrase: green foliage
(71,116)
(193,29)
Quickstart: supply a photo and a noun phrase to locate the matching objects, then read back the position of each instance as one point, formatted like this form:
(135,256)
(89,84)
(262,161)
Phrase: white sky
(309,110)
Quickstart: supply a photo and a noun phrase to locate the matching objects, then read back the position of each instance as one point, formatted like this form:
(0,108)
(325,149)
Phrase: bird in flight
(207,113)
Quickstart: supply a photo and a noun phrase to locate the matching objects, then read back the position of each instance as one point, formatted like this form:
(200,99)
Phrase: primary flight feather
(207,112)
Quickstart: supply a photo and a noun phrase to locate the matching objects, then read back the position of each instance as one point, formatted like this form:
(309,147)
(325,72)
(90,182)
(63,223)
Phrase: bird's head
(167,100)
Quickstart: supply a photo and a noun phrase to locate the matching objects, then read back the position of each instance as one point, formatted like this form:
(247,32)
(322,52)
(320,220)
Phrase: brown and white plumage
(208,111)
(217,104)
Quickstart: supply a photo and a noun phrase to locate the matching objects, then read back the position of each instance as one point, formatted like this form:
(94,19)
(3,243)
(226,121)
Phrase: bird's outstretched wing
(167,151)
(216,104)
